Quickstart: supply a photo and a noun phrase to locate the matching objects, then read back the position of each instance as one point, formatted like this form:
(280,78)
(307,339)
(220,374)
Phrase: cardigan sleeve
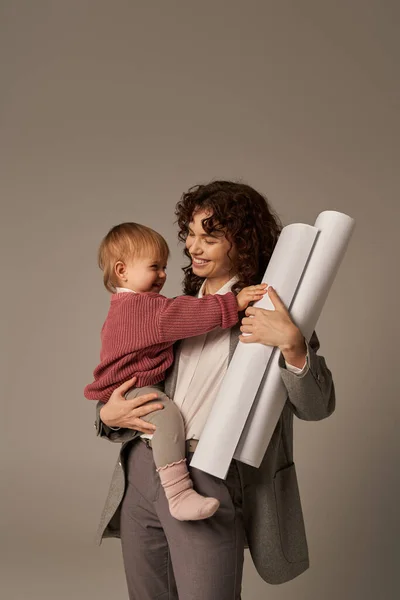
(311,396)
(185,316)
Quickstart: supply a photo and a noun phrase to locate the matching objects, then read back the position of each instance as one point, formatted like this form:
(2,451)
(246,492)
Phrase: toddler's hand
(250,294)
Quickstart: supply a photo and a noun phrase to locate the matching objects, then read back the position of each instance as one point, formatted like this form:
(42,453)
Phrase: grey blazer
(272,509)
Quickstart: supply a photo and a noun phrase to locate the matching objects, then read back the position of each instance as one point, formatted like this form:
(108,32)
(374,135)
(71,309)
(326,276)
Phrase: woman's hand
(119,412)
(275,328)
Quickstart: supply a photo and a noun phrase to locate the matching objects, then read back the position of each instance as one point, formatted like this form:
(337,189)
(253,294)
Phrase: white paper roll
(232,406)
(335,230)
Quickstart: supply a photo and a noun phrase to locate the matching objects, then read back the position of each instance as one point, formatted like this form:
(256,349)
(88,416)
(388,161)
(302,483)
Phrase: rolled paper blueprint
(232,406)
(335,230)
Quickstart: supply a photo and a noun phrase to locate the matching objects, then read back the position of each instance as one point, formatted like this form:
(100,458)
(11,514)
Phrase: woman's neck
(213,284)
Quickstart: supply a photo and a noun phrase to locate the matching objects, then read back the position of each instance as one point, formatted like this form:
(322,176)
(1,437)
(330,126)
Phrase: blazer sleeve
(311,396)
(120,435)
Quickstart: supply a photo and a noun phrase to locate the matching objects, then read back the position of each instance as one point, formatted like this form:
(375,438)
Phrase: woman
(229,232)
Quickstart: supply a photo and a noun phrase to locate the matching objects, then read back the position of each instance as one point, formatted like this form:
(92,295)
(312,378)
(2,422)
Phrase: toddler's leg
(168,444)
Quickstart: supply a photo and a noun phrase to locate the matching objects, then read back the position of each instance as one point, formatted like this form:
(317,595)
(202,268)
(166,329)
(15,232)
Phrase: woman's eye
(210,242)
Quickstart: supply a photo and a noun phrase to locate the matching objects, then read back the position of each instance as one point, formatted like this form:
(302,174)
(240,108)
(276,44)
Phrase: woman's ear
(120,271)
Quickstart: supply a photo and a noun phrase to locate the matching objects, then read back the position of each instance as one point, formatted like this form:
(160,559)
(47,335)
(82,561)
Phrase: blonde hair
(125,242)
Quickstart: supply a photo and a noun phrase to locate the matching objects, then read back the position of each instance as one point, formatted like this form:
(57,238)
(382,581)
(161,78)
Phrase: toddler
(137,340)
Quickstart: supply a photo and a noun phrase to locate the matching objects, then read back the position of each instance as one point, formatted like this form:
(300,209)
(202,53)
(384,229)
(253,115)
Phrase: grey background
(109,111)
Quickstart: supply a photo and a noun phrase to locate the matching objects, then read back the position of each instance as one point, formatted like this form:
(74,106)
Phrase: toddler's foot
(184,503)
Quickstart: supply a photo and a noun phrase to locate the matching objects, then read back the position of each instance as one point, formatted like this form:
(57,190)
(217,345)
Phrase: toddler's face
(145,275)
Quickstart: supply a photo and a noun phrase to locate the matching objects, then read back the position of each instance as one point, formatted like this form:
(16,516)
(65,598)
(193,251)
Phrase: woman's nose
(195,247)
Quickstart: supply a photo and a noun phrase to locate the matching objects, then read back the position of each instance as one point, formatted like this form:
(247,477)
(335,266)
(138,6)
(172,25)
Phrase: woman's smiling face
(209,252)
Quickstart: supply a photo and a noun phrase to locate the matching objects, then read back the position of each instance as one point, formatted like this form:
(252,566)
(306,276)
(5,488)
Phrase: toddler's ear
(120,270)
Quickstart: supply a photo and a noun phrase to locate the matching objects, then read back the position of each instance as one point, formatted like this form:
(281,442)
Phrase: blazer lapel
(172,377)
(234,339)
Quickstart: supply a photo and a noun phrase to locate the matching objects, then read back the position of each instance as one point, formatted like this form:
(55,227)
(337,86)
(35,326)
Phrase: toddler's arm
(186,316)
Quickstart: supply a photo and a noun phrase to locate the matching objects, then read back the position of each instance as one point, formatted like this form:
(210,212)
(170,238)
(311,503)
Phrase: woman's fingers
(247,339)
(246,329)
(143,426)
(276,301)
(140,400)
(125,387)
(248,321)
(142,411)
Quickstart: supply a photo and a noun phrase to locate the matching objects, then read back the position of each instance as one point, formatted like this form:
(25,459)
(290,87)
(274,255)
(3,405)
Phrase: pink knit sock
(184,503)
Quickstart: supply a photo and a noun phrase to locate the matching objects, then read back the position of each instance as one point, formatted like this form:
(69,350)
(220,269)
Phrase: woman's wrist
(105,419)
(294,350)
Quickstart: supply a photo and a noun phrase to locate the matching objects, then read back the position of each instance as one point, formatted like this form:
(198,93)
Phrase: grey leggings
(168,442)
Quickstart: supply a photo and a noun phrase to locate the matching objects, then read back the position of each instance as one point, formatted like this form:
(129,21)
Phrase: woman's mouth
(199,262)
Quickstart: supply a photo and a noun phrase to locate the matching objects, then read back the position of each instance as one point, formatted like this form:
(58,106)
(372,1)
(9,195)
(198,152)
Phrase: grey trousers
(167,559)
(168,441)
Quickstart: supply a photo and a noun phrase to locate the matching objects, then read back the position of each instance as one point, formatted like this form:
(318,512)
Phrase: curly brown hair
(244,216)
